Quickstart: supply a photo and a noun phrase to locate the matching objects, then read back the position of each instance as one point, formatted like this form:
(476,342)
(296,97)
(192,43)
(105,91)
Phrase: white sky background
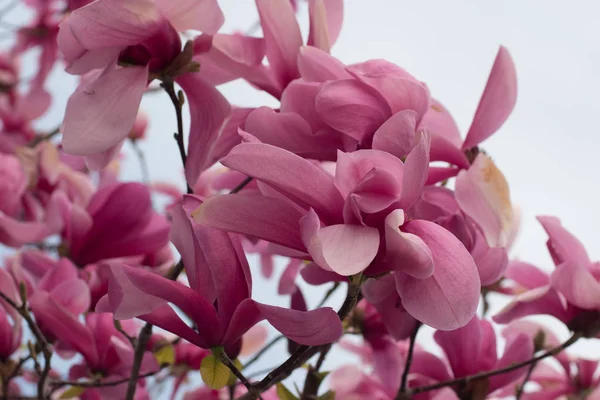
(547,149)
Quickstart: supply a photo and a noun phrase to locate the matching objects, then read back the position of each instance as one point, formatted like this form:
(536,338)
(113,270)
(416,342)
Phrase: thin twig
(313,379)
(263,351)
(241,185)
(227,361)
(409,357)
(42,138)
(96,384)
(143,162)
(575,337)
(140,349)
(328,294)
(303,353)
(521,387)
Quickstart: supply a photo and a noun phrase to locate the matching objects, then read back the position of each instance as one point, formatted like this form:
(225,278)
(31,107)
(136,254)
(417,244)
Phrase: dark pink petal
(439,174)
(282,36)
(209,111)
(406,252)
(462,347)
(415,171)
(101,113)
(298,179)
(299,97)
(483,194)
(229,136)
(517,350)
(448,299)
(316,65)
(397,135)
(315,275)
(165,318)
(200,15)
(263,217)
(183,237)
(352,108)
(344,249)
(287,282)
(17,233)
(439,122)
(563,245)
(109,23)
(311,328)
(134,292)
(497,101)
(52,317)
(577,283)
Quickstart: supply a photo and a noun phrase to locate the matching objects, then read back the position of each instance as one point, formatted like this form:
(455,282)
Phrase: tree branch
(409,357)
(482,375)
(304,353)
(140,349)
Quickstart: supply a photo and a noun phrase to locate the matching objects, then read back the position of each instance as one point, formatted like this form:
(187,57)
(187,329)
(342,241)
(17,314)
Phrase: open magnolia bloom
(358,221)
(218,300)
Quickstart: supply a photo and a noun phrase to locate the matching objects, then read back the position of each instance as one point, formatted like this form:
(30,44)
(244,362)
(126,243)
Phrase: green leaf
(214,373)
(73,391)
(284,394)
(232,377)
(329,395)
(165,355)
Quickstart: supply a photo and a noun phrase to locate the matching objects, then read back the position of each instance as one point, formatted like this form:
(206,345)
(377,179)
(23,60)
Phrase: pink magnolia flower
(219,295)
(472,349)
(355,220)
(206,393)
(91,235)
(120,46)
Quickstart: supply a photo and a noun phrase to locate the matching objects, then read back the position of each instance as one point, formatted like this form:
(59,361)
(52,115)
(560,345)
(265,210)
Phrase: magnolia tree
(360,178)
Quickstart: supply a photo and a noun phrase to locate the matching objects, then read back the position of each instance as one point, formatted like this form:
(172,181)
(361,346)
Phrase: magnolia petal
(577,284)
(101,113)
(439,122)
(200,15)
(345,249)
(110,23)
(462,347)
(538,301)
(497,101)
(397,135)
(287,281)
(517,350)
(562,244)
(209,111)
(298,179)
(483,194)
(316,65)
(352,108)
(526,275)
(415,171)
(229,136)
(406,252)
(448,299)
(266,218)
(444,150)
(282,37)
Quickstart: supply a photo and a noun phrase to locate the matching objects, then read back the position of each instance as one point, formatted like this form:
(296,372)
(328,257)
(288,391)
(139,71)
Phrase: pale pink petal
(200,15)
(415,171)
(439,174)
(298,179)
(316,65)
(345,249)
(577,284)
(209,111)
(497,101)
(491,261)
(483,194)
(439,121)
(444,150)
(448,299)
(253,340)
(263,217)
(229,136)
(101,113)
(110,23)
(352,108)
(526,275)
(282,36)
(562,244)
(397,135)
(539,301)
(406,252)
(98,161)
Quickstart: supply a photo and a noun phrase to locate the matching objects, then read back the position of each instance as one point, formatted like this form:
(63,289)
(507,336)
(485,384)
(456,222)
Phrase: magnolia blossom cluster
(359,179)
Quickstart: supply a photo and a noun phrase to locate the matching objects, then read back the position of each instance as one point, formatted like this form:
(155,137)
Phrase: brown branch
(232,367)
(409,357)
(313,379)
(140,349)
(97,384)
(304,353)
(482,375)
(42,138)
(521,387)
(263,351)
(143,162)
(241,185)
